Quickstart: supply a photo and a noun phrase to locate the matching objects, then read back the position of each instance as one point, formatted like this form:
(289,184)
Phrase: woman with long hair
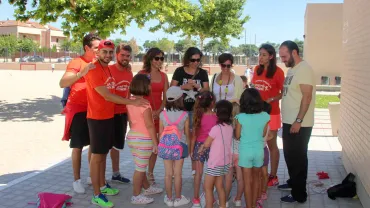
(192,79)
(153,62)
(268,79)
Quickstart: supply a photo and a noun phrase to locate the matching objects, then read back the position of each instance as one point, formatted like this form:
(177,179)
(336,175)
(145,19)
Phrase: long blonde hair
(236,111)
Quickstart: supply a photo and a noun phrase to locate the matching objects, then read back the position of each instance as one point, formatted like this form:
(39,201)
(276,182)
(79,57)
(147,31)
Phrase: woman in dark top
(192,79)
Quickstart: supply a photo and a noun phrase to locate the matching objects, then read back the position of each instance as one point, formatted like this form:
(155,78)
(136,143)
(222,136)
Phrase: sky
(270,20)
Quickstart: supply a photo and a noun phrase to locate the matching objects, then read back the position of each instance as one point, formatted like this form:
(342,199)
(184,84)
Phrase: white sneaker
(193,172)
(88,181)
(140,199)
(168,201)
(238,203)
(152,190)
(218,203)
(78,187)
(180,202)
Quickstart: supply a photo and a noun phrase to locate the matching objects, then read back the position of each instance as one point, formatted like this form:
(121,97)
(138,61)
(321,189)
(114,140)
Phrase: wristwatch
(298,120)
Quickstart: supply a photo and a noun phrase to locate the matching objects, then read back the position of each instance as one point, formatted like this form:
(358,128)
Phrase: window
(325,80)
(338,80)
(57,40)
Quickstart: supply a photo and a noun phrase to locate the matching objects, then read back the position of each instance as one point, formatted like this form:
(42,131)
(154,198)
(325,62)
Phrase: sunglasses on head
(226,66)
(108,43)
(159,58)
(194,60)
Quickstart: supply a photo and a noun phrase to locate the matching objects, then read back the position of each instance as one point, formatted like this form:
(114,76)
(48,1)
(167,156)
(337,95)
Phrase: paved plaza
(34,159)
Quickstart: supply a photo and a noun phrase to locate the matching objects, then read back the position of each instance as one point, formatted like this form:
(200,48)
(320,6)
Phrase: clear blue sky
(271,20)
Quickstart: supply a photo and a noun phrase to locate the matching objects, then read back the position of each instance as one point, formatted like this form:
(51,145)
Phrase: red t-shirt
(123,80)
(77,94)
(98,108)
(269,87)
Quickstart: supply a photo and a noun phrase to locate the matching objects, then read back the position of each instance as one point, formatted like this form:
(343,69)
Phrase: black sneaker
(285,187)
(288,199)
(120,179)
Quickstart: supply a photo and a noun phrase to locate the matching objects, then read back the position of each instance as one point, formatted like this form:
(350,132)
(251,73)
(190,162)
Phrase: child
(203,120)
(175,115)
(251,127)
(245,81)
(239,175)
(218,164)
(142,140)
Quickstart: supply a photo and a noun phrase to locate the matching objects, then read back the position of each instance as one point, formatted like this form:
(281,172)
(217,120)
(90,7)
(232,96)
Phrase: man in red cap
(100,87)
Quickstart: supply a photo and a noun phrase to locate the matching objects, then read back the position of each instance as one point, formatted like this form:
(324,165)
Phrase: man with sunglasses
(101,98)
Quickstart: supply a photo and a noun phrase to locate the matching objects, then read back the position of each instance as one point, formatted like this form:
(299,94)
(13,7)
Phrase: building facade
(45,35)
(323,41)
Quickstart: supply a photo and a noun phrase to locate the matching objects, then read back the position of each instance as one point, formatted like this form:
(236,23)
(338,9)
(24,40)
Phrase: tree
(101,16)
(70,45)
(150,44)
(249,50)
(235,50)
(117,41)
(166,45)
(27,45)
(182,45)
(215,47)
(134,46)
(8,44)
(210,19)
(275,45)
(300,44)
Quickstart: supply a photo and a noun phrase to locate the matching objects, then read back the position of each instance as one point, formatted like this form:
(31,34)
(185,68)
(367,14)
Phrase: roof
(10,23)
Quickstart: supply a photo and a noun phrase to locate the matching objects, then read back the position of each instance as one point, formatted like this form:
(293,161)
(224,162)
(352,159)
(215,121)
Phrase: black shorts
(101,135)
(120,128)
(79,131)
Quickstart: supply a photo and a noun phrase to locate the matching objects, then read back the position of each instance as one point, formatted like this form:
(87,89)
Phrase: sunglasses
(108,43)
(226,66)
(159,58)
(194,60)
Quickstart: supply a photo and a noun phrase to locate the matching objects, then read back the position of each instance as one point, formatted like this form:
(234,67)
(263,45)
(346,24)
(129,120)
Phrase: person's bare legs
(265,178)
(114,155)
(103,166)
(95,171)
(240,187)
(138,180)
(274,151)
(168,167)
(198,178)
(152,161)
(229,181)
(256,172)
(220,192)
(178,177)
(76,163)
(209,182)
(248,195)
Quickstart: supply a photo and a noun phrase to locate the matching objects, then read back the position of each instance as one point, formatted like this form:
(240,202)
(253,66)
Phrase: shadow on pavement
(38,109)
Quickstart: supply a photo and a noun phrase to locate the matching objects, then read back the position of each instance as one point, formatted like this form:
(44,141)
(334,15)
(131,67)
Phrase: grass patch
(322,101)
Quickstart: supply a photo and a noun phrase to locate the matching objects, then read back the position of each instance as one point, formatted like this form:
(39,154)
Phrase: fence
(50,56)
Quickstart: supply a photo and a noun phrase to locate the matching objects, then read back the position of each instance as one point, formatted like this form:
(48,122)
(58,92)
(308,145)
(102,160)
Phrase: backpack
(169,147)
(347,189)
(52,200)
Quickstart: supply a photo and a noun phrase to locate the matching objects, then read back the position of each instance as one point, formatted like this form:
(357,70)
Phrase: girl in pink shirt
(203,121)
(219,141)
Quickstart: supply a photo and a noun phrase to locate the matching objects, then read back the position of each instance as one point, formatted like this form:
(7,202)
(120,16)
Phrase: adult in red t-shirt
(153,61)
(268,79)
(122,74)
(76,129)
(101,99)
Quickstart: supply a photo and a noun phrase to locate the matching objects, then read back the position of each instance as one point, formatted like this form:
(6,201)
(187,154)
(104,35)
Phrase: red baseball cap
(106,44)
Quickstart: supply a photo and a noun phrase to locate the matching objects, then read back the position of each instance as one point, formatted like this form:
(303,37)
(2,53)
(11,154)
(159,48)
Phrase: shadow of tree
(39,109)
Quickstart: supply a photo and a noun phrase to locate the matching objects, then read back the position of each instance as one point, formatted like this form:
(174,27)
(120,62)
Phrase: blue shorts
(251,158)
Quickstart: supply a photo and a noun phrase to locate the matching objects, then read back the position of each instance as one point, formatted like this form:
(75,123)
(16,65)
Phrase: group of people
(222,123)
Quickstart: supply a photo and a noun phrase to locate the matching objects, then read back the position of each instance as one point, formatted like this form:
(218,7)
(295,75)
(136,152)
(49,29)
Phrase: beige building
(354,132)
(45,35)
(323,41)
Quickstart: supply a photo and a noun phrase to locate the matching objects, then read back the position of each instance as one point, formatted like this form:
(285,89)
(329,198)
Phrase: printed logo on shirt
(190,95)
(262,85)
(123,86)
(287,82)
(110,83)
